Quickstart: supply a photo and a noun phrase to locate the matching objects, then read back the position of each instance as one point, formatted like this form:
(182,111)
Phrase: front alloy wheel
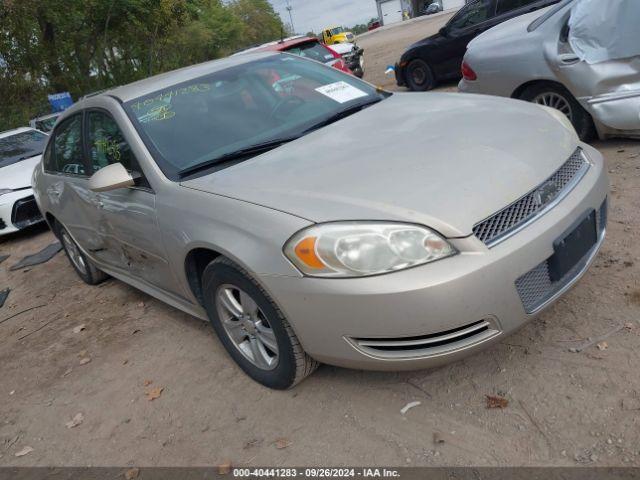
(247,326)
(252,328)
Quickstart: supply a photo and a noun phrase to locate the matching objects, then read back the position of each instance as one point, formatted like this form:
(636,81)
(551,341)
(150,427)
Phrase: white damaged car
(20,152)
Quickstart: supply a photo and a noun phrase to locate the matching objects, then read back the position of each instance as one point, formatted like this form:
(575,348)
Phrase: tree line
(83,46)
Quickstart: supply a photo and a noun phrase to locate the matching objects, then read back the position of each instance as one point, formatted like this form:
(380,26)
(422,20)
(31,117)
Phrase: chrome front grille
(429,345)
(536,288)
(509,220)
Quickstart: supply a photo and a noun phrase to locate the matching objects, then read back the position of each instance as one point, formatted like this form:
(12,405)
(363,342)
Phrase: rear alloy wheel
(558,97)
(252,328)
(80,263)
(419,76)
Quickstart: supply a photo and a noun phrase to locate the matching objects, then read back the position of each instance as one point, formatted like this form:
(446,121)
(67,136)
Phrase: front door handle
(54,191)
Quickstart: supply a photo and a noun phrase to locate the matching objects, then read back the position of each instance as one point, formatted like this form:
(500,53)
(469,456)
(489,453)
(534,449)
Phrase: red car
(307,47)
(373,25)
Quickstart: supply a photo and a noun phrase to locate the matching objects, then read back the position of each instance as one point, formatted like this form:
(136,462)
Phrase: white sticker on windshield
(341,92)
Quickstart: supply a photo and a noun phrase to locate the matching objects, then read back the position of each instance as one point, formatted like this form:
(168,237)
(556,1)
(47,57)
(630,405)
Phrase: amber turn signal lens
(306,251)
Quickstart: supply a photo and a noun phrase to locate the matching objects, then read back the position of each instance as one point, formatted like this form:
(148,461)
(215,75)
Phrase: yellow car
(333,35)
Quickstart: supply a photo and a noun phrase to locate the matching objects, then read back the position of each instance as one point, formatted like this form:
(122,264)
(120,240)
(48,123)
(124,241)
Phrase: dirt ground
(564,408)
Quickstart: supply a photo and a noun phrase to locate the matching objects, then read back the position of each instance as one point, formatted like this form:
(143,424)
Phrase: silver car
(311,217)
(530,58)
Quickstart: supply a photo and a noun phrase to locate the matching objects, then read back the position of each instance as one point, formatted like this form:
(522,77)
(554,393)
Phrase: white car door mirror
(111,177)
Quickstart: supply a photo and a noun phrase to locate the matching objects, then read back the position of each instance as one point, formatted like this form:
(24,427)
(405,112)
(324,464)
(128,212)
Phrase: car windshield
(314,51)
(207,120)
(21,146)
(337,31)
(550,13)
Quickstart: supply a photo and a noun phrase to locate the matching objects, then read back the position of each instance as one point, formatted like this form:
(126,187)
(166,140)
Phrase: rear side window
(314,51)
(472,14)
(67,156)
(505,6)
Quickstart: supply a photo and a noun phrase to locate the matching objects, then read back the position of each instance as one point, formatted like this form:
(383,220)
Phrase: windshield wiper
(235,156)
(342,114)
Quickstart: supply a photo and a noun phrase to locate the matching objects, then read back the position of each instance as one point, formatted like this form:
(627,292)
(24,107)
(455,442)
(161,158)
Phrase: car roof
(280,45)
(149,85)
(16,131)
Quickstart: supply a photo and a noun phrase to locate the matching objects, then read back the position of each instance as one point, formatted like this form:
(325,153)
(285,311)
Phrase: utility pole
(289,9)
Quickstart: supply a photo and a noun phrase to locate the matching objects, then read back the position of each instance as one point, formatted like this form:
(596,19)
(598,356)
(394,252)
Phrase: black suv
(438,57)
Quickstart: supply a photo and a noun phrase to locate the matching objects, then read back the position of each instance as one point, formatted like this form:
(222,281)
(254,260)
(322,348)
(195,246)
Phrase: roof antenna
(281,33)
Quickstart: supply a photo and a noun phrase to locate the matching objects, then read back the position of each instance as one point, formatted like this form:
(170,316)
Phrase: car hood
(442,160)
(425,41)
(342,48)
(515,27)
(18,175)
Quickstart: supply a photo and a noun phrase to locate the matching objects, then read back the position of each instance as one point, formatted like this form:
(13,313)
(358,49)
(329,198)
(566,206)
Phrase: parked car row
(346,57)
(437,58)
(521,49)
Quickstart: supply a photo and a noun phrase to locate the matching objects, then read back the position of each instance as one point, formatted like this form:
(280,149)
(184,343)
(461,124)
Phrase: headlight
(358,249)
(4,191)
(561,117)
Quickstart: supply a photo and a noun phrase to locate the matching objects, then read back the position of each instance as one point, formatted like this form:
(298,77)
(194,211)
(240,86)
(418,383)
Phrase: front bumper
(18,210)
(399,72)
(452,308)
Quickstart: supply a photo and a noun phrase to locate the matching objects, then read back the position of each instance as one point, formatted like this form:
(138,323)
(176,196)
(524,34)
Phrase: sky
(314,15)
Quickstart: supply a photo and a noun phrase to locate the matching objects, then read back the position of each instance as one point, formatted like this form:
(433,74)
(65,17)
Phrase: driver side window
(107,144)
(472,14)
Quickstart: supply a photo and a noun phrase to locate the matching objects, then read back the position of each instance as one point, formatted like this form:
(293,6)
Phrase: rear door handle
(568,58)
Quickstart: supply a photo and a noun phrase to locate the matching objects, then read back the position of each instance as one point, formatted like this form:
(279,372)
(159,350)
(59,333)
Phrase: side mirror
(111,177)
(444,31)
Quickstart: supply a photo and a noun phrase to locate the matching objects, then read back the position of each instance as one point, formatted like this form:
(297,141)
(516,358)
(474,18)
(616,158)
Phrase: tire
(85,269)
(551,95)
(289,362)
(418,76)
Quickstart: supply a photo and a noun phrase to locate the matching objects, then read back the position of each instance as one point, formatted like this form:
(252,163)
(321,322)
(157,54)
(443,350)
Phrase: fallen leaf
(85,360)
(408,407)
(137,330)
(628,326)
(83,353)
(225,467)
(141,304)
(154,393)
(131,473)
(12,392)
(125,361)
(148,382)
(602,346)
(79,328)
(496,402)
(24,451)
(282,443)
(67,372)
(75,421)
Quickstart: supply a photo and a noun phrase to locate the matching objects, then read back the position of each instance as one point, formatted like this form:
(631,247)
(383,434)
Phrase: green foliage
(82,46)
